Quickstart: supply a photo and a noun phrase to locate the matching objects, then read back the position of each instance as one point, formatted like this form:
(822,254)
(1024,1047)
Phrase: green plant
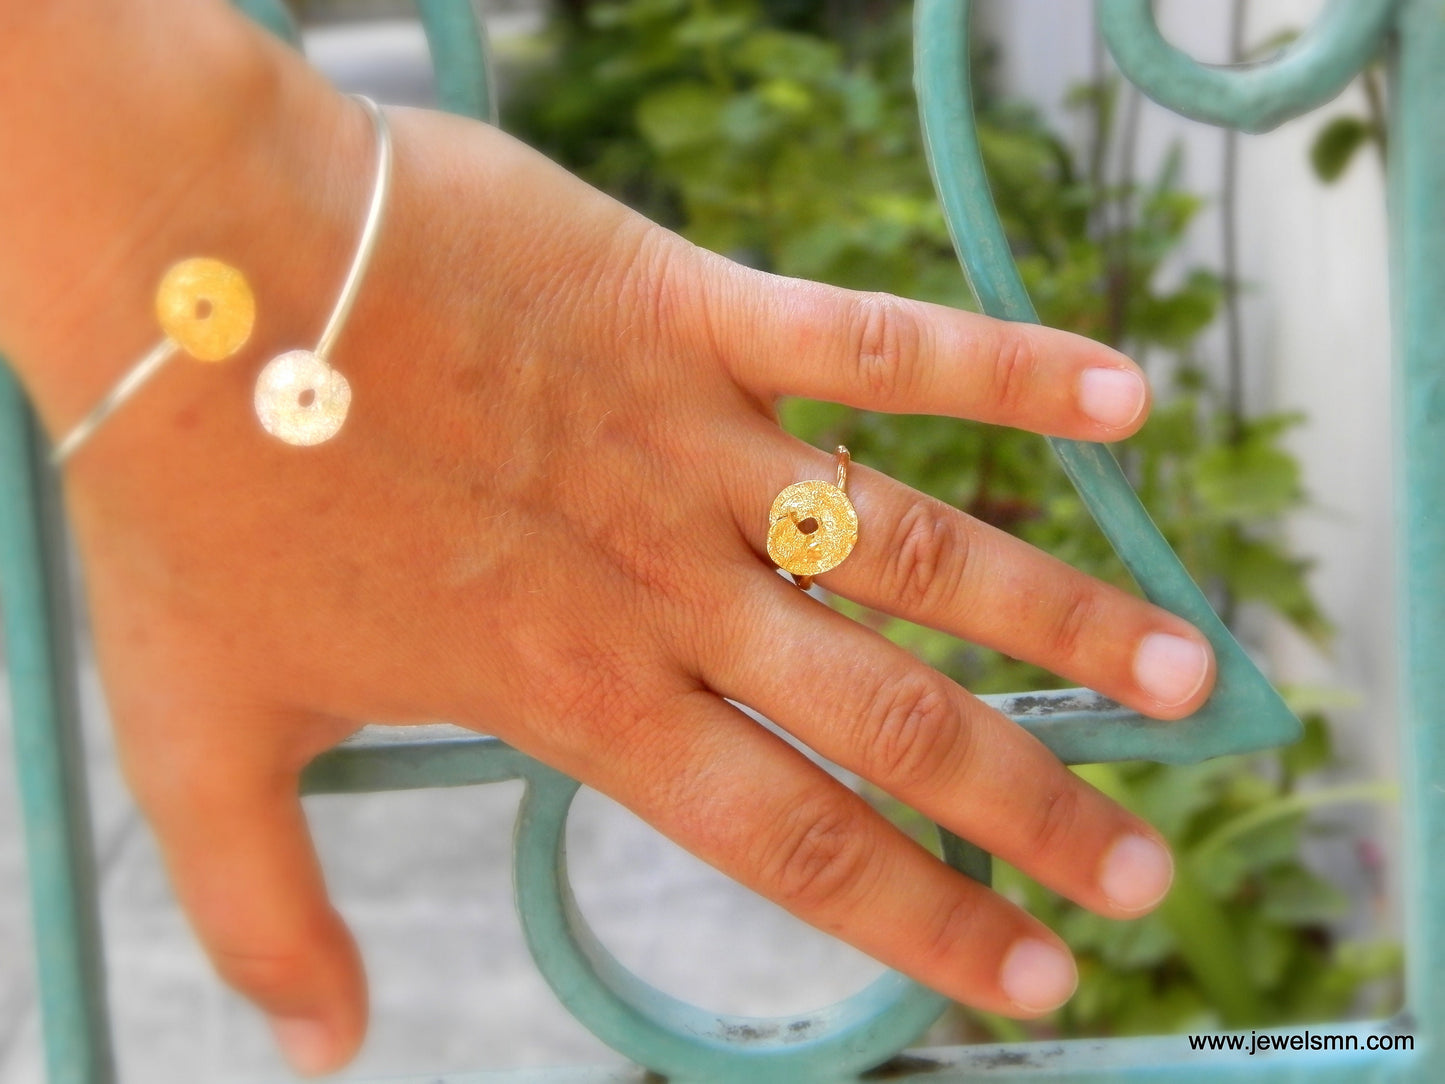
(1339,139)
(1335,144)
(801,154)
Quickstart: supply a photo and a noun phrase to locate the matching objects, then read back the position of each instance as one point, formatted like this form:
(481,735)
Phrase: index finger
(781,336)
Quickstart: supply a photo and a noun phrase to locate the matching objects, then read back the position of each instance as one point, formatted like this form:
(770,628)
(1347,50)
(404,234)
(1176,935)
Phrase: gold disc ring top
(206,308)
(813,526)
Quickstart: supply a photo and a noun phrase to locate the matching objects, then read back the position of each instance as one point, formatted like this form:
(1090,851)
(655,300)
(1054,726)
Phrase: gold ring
(813,526)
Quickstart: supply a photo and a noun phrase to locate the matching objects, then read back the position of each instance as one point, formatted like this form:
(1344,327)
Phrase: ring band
(813,526)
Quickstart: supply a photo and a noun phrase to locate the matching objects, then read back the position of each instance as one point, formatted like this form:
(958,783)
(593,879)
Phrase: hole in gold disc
(203,308)
(808,526)
(306,398)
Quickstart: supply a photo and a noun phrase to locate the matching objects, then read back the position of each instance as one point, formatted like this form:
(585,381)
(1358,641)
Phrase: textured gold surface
(300,399)
(810,554)
(206,307)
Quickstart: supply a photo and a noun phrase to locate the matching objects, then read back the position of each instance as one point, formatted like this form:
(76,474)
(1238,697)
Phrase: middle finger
(923,560)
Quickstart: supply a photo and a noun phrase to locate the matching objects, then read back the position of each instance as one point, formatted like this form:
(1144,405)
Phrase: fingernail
(306,1044)
(1169,668)
(1112,397)
(1136,873)
(1038,976)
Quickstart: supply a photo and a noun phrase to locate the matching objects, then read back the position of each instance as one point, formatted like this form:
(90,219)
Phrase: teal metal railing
(684,1042)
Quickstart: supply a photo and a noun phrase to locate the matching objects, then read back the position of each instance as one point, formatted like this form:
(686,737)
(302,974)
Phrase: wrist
(238,151)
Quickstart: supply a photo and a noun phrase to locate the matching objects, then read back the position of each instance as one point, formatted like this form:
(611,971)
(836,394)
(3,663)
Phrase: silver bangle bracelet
(206,311)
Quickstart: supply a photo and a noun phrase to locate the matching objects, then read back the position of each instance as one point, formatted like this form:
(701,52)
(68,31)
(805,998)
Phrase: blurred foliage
(1244,938)
(1338,140)
(790,141)
(1335,144)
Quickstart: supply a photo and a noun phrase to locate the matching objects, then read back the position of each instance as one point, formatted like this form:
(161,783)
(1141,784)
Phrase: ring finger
(923,560)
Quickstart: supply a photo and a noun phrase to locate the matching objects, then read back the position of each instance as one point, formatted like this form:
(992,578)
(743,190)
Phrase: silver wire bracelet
(206,310)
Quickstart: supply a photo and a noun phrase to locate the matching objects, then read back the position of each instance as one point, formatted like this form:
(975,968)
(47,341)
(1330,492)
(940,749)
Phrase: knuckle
(655,298)
(719,289)
(270,978)
(886,340)
(951,929)
(930,552)
(1071,625)
(598,694)
(1015,364)
(818,852)
(1054,820)
(643,737)
(914,733)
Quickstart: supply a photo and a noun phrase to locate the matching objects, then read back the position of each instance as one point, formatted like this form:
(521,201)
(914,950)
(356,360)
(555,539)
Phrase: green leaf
(1268,949)
(1209,946)
(776,54)
(701,31)
(1318,699)
(1249,481)
(1336,144)
(1370,959)
(749,121)
(809,253)
(864,103)
(787,96)
(679,116)
(1138,943)
(1179,1008)
(1170,798)
(1294,895)
(1313,751)
(816,422)
(1260,571)
(1174,319)
(1220,871)
(633,13)
(1268,845)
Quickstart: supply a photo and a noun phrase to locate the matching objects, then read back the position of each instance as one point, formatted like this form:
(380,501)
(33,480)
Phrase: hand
(545,520)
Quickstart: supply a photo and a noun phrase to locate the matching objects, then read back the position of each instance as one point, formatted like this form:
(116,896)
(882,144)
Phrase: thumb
(239,853)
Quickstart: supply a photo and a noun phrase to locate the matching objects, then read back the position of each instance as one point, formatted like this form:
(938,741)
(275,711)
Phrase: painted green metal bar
(275,16)
(409,758)
(1150,1060)
(678,1040)
(1417,223)
(414,758)
(457,37)
(1244,713)
(1313,69)
(654,1029)
(50,765)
